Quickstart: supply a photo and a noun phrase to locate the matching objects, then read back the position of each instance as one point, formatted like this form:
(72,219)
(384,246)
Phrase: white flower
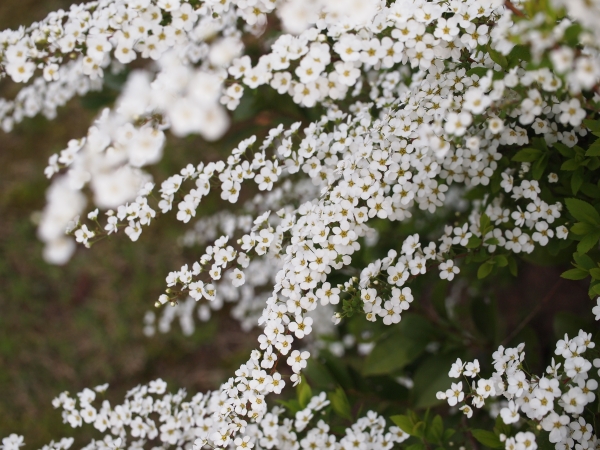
(455,394)
(510,414)
(448,270)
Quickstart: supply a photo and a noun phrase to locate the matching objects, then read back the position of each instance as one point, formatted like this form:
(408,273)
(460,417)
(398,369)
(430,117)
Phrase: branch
(516,11)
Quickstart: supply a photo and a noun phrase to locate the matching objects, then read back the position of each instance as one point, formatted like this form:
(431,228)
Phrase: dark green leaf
(303,393)
(435,431)
(487,438)
(571,35)
(400,347)
(567,152)
(582,228)
(588,242)
(582,211)
(592,125)
(291,405)
(449,433)
(501,260)
(574,274)
(539,166)
(340,404)
(479,71)
(498,57)
(474,242)
(594,290)
(404,423)
(419,429)
(501,427)
(485,269)
(591,190)
(484,223)
(584,261)
(430,377)
(518,54)
(570,165)
(576,180)
(594,149)
(527,155)
(595,273)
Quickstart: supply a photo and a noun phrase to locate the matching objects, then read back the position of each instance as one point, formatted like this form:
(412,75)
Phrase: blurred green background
(66,328)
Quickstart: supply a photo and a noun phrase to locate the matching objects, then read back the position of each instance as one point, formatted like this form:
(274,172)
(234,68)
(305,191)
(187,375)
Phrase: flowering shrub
(415,143)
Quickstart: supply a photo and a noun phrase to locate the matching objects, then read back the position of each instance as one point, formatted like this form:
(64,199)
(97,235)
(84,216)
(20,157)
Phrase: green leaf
(318,375)
(567,152)
(571,35)
(474,242)
(404,423)
(435,431)
(595,273)
(340,404)
(501,260)
(479,71)
(582,228)
(594,149)
(539,166)
(594,290)
(485,269)
(291,405)
(498,57)
(576,180)
(588,242)
(501,427)
(487,438)
(592,125)
(484,223)
(570,165)
(584,261)
(582,211)
(419,429)
(449,433)
(591,190)
(592,162)
(303,393)
(431,376)
(527,155)
(518,54)
(400,347)
(574,274)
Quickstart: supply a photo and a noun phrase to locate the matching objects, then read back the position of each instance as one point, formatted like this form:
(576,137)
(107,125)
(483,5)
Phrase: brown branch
(533,312)
(516,11)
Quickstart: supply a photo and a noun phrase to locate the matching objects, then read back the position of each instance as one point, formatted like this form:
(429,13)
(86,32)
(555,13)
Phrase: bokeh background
(80,325)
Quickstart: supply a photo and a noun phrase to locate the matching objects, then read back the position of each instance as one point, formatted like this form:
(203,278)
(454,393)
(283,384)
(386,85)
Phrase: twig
(516,11)
(533,313)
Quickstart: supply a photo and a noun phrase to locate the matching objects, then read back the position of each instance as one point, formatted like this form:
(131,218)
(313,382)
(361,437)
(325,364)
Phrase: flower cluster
(555,400)
(413,105)
(150,413)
